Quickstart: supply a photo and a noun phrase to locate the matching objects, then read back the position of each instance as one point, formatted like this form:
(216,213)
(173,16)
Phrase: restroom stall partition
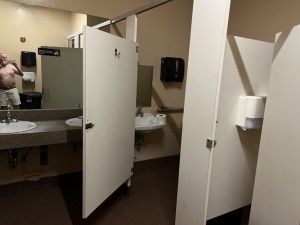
(218,162)
(276,196)
(246,72)
(206,52)
(109,102)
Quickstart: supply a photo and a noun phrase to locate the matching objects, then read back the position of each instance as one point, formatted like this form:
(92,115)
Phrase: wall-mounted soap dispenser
(172,69)
(28,59)
(251,112)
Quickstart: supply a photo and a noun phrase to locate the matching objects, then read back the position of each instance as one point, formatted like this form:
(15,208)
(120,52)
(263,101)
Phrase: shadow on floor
(71,188)
(236,217)
(152,198)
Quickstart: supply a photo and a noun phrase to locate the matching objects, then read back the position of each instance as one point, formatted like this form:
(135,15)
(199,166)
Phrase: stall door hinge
(211,143)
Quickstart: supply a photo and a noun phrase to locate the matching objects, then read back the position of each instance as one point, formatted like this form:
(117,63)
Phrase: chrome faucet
(8,118)
(139,112)
(8,115)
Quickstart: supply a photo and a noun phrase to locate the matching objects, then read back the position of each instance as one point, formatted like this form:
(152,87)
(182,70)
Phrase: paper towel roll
(28,76)
(161,118)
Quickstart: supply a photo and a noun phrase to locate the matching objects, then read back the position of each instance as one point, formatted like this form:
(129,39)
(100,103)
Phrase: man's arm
(18,70)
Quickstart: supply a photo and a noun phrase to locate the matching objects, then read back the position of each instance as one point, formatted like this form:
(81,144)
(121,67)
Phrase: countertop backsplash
(42,114)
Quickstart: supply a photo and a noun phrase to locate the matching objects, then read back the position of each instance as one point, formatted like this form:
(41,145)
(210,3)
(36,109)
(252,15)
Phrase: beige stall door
(109,83)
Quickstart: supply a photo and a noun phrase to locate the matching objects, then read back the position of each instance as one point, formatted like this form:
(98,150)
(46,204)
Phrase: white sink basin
(75,122)
(148,123)
(15,127)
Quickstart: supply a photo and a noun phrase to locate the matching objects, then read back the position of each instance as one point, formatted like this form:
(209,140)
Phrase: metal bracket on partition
(89,126)
(211,143)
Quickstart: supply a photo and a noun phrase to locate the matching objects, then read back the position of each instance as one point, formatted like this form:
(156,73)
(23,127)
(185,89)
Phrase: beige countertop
(47,132)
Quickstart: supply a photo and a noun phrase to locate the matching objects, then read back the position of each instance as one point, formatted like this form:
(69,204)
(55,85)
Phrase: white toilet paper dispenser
(251,112)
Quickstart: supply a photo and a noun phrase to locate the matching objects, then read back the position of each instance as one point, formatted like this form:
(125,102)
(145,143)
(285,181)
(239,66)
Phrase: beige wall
(262,19)
(101,8)
(78,20)
(255,19)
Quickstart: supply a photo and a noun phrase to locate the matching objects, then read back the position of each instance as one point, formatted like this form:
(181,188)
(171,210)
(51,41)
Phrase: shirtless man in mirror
(8,90)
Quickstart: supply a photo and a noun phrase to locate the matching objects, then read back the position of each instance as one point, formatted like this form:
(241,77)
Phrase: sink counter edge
(45,133)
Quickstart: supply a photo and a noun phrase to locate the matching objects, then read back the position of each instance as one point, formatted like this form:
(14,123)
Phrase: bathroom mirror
(144,86)
(41,26)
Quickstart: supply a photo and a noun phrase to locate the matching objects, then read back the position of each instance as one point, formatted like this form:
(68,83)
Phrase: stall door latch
(211,143)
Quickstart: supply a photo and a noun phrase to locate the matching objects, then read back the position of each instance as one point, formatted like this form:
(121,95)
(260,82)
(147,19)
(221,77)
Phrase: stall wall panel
(246,70)
(109,90)
(276,196)
(208,36)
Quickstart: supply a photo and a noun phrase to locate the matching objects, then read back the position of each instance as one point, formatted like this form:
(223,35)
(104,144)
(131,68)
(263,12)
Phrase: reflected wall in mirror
(144,86)
(41,27)
(62,79)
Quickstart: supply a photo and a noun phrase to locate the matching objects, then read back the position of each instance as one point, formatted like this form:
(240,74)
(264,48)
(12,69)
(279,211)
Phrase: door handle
(89,126)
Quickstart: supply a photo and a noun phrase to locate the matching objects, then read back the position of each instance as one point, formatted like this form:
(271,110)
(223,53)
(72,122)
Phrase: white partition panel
(246,71)
(276,197)
(208,36)
(110,76)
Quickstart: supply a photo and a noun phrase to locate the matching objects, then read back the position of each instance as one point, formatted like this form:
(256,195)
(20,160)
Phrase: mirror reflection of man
(8,91)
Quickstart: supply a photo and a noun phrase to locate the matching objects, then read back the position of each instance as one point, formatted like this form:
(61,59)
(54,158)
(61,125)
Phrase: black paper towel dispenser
(172,69)
(28,59)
